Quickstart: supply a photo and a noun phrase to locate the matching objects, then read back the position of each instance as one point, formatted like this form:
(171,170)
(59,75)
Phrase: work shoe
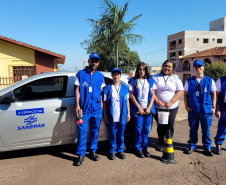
(208,152)
(140,154)
(121,155)
(159,148)
(111,156)
(94,156)
(78,162)
(190,150)
(218,149)
(146,153)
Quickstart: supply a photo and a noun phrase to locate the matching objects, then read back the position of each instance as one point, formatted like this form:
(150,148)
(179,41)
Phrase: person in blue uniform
(142,93)
(89,85)
(220,113)
(200,103)
(116,113)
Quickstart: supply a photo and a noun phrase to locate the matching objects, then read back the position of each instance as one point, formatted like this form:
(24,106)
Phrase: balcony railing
(172,47)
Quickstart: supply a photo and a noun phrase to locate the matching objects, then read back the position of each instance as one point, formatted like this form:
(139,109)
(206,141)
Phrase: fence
(6,81)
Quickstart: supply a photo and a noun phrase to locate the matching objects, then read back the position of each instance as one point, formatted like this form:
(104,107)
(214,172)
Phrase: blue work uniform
(220,137)
(199,101)
(90,103)
(141,122)
(116,129)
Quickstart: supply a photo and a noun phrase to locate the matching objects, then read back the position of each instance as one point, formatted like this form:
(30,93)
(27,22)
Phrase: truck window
(52,87)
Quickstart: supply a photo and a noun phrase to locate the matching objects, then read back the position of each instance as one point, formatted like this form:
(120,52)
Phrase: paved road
(53,165)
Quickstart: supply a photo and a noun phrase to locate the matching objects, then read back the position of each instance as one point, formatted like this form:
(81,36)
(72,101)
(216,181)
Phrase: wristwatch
(213,107)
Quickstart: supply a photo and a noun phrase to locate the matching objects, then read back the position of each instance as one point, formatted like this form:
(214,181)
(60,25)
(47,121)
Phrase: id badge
(118,98)
(166,87)
(142,95)
(90,89)
(197,93)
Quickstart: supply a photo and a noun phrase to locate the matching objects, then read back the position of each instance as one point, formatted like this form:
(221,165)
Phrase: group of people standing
(149,95)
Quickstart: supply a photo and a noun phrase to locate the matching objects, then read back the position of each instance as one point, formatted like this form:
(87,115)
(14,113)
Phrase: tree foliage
(215,70)
(110,36)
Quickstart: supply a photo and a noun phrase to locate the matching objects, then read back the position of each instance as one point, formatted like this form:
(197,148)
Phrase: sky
(61,25)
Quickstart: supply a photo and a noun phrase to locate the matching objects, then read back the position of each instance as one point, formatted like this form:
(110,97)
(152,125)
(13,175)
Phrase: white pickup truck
(40,111)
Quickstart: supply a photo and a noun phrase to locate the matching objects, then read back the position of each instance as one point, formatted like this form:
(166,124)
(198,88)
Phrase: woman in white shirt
(116,113)
(169,88)
(142,94)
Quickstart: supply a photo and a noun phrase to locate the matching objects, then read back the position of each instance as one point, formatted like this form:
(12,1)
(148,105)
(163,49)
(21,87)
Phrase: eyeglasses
(198,66)
(94,60)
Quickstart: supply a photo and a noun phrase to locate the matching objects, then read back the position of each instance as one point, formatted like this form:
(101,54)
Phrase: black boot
(111,156)
(121,155)
(146,153)
(94,156)
(78,162)
(208,152)
(159,148)
(140,154)
(190,150)
(218,149)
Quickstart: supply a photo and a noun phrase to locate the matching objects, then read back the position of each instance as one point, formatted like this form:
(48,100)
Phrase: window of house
(19,71)
(173,56)
(205,41)
(180,41)
(180,53)
(51,87)
(219,41)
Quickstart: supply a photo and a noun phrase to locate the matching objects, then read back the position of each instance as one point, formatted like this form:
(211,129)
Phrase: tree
(215,70)
(110,32)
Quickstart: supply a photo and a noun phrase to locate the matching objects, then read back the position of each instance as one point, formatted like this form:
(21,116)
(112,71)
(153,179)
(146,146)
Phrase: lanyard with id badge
(142,90)
(90,87)
(118,95)
(166,86)
(197,87)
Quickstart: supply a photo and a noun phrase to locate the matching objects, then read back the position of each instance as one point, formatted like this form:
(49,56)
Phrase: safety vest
(151,82)
(90,101)
(123,102)
(222,93)
(201,103)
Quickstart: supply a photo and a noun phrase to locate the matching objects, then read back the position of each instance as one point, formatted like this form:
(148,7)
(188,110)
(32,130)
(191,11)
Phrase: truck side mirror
(8,98)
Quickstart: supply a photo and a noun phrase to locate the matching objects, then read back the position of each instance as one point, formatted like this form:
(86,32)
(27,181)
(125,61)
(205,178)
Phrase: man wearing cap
(200,103)
(89,85)
(221,113)
(116,113)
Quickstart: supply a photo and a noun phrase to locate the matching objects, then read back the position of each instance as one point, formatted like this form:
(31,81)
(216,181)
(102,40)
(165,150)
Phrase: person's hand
(168,104)
(147,111)
(160,104)
(140,110)
(188,109)
(77,110)
(218,114)
(106,120)
(213,110)
(127,117)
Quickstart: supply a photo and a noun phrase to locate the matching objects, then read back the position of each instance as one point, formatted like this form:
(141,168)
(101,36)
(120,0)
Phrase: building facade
(19,59)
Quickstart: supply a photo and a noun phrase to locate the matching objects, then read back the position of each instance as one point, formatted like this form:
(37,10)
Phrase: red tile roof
(32,47)
(209,52)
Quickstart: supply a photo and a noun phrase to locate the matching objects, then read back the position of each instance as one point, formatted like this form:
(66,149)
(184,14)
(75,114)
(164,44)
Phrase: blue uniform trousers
(141,130)
(220,137)
(95,119)
(116,136)
(206,122)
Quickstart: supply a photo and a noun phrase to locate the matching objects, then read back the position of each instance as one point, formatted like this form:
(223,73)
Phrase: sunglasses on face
(198,66)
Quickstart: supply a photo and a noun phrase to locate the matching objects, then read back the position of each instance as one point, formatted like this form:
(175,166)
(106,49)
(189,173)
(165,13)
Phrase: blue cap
(94,55)
(198,63)
(116,69)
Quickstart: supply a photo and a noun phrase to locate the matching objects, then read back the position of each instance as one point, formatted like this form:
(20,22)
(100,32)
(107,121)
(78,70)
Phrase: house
(188,42)
(185,65)
(19,60)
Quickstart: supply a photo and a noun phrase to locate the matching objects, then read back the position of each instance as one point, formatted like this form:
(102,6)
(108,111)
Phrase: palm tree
(111,29)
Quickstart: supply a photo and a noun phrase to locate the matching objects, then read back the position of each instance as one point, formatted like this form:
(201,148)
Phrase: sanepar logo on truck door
(31,119)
